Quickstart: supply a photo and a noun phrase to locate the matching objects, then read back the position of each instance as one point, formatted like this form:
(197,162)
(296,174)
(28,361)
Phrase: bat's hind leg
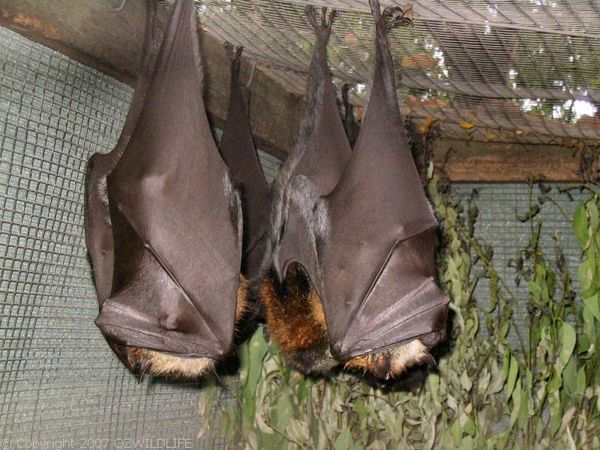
(296,321)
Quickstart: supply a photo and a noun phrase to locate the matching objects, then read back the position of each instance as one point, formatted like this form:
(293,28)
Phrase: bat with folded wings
(163,220)
(349,273)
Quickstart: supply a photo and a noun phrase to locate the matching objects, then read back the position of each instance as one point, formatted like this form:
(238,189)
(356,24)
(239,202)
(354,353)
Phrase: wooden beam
(464,161)
(94,33)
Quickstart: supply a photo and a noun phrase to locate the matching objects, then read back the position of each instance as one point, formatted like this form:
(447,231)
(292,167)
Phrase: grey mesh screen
(269,164)
(498,226)
(58,378)
(502,70)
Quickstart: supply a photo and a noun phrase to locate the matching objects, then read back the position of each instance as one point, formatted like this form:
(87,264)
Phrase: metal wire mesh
(498,226)
(269,164)
(505,70)
(59,382)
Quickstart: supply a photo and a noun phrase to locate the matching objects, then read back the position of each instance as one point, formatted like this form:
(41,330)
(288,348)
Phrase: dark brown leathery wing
(97,223)
(293,311)
(372,261)
(176,223)
(97,215)
(322,151)
(319,157)
(239,153)
(378,272)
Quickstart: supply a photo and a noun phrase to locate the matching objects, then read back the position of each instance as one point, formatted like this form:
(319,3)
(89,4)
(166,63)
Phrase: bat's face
(393,362)
(296,321)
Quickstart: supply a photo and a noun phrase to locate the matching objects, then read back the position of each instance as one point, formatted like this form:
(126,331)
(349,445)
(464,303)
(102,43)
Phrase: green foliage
(485,393)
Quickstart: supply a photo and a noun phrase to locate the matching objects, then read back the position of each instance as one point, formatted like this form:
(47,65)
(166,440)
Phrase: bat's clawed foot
(392,363)
(394,16)
(322,28)
(391,16)
(233,53)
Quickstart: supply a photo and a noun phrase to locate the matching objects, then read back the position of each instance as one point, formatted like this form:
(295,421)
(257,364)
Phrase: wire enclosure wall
(497,225)
(493,71)
(58,377)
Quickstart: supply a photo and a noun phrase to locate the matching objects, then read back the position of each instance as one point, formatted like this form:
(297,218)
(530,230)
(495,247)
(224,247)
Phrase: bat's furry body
(296,319)
(172,366)
(297,323)
(294,313)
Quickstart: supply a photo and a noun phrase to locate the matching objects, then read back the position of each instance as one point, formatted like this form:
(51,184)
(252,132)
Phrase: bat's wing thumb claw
(279,269)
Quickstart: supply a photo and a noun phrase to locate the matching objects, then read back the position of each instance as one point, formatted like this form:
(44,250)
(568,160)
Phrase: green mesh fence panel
(499,205)
(60,384)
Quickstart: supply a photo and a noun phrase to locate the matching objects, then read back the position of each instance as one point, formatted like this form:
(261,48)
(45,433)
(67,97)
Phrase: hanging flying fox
(163,221)
(239,153)
(293,310)
(351,240)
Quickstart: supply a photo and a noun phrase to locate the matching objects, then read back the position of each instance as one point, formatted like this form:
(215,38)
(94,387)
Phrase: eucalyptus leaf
(343,440)
(567,339)
(580,225)
(586,272)
(513,371)
(516,401)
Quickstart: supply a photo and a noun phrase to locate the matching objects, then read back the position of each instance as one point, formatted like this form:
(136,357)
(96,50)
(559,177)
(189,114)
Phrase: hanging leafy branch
(486,392)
